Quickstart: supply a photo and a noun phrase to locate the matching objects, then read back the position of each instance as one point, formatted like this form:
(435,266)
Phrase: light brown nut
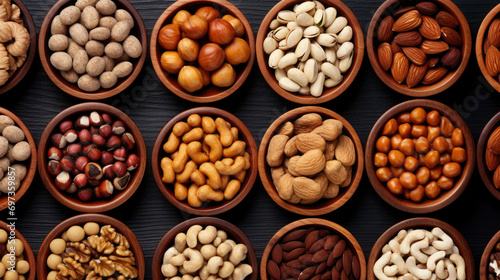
(61,61)
(57,27)
(347,180)
(276,174)
(73,47)
(132,46)
(114,50)
(335,171)
(286,129)
(90,17)
(21,151)
(285,187)
(100,34)
(122,58)
(80,61)
(330,129)
(94,48)
(108,79)
(208,124)
(95,67)
(331,191)
(307,123)
(311,163)
(106,7)
(13,134)
(120,31)
(291,147)
(330,149)
(70,76)
(309,141)
(81,4)
(276,150)
(122,15)
(79,34)
(123,69)
(110,63)
(107,22)
(70,15)
(89,83)
(345,151)
(307,189)
(58,42)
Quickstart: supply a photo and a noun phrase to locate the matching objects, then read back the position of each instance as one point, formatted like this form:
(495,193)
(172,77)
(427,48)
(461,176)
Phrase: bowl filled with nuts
(487,44)
(17,158)
(202,247)
(92,157)
(488,156)
(310,161)
(489,267)
(420,156)
(92,49)
(309,52)
(202,51)
(314,249)
(423,248)
(204,161)
(90,246)
(419,50)
(18,260)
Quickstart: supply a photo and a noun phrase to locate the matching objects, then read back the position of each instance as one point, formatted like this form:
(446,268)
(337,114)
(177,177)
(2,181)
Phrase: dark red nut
(85,194)
(95,190)
(92,152)
(75,172)
(67,163)
(95,119)
(120,154)
(65,126)
(107,158)
(58,140)
(84,136)
(128,141)
(109,172)
(93,182)
(80,163)
(118,128)
(132,162)
(107,119)
(82,122)
(105,130)
(63,181)
(55,154)
(94,130)
(98,140)
(113,142)
(93,171)
(80,180)
(74,149)
(106,188)
(71,136)
(54,167)
(120,168)
(121,183)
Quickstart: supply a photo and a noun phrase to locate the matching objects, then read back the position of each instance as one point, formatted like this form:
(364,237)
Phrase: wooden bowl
(21,72)
(57,231)
(31,167)
(328,94)
(139,31)
(389,7)
(232,231)
(320,223)
(485,258)
(28,254)
(323,206)
(486,175)
(423,223)
(482,45)
(208,93)
(443,199)
(71,201)
(213,208)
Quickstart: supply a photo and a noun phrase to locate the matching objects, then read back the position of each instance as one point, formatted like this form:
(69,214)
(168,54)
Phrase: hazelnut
(237,52)
(120,183)
(188,49)
(72,188)
(65,126)
(93,171)
(94,130)
(120,154)
(82,122)
(84,136)
(105,130)
(54,167)
(80,180)
(239,29)
(107,119)
(113,143)
(55,154)
(95,119)
(208,13)
(92,152)
(195,27)
(190,78)
(211,57)
(128,141)
(94,182)
(70,136)
(205,75)
(63,181)
(220,31)
(224,76)
(120,168)
(118,128)
(171,62)
(85,194)
(132,162)
(73,149)
(98,140)
(67,163)
(80,163)
(180,17)
(58,140)
(106,188)
(107,158)
(109,172)
(169,36)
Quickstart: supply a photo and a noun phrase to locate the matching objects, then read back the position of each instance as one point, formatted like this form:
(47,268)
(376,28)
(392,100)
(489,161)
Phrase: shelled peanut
(494,263)
(206,161)
(492,156)
(310,159)
(13,265)
(492,54)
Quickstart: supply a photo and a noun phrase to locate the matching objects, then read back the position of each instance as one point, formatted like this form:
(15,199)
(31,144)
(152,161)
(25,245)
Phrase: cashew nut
(460,264)
(242,271)
(172,143)
(177,260)
(180,159)
(168,171)
(452,271)
(208,251)
(391,270)
(195,153)
(180,128)
(386,249)
(213,264)
(214,179)
(415,250)
(180,241)
(394,245)
(226,136)
(236,149)
(172,251)
(208,124)
(429,250)
(401,235)
(224,248)
(203,273)
(193,135)
(222,235)
(195,259)
(399,262)
(434,258)
(180,191)
(226,270)
(186,173)
(194,120)
(429,235)
(168,270)
(192,235)
(409,239)
(407,276)
(207,235)
(452,250)
(443,241)
(198,178)
(440,271)
(236,167)
(215,147)
(378,267)
(192,198)
(411,265)
(238,254)
(206,193)
(232,188)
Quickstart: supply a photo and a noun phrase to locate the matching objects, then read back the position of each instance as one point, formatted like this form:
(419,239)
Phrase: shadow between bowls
(328,94)
(72,89)
(41,262)
(167,190)
(209,93)
(72,201)
(425,223)
(390,6)
(232,231)
(485,257)
(323,206)
(444,199)
(31,167)
(20,73)
(28,254)
(486,175)
(482,43)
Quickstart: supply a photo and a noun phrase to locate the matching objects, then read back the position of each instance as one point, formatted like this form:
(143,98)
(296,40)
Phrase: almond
(311,163)
(427,8)
(496,178)
(307,189)
(295,264)
(384,32)
(292,245)
(400,67)
(492,160)
(320,256)
(306,259)
(434,75)
(327,275)
(307,273)
(347,261)
(493,143)
(434,47)
(309,141)
(492,61)
(451,36)
(445,19)
(331,241)
(307,123)
(331,260)
(494,33)
(318,245)
(415,55)
(395,48)
(432,61)
(339,248)
(408,21)
(408,39)
(403,11)
(294,235)
(429,28)
(452,58)
(310,239)
(345,151)
(384,53)
(355,267)
(415,74)
(321,268)
(294,254)
(277,253)
(273,270)
(292,272)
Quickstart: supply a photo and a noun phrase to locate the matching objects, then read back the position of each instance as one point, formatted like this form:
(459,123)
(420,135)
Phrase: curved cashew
(443,241)
(177,260)
(192,235)
(399,262)
(394,246)
(168,171)
(214,179)
(226,270)
(224,249)
(226,136)
(242,271)
(433,277)
(193,135)
(460,264)
(415,250)
(238,254)
(391,270)
(411,237)
(192,198)
(407,276)
(232,188)
(194,262)
(429,250)
(429,235)
(172,251)
(452,271)
(186,277)
(168,270)
(180,241)
(411,265)
(208,251)
(401,235)
(198,178)
(206,193)
(386,249)
(215,151)
(222,235)
(453,250)
(236,167)
(440,271)
(378,267)
(203,273)
(208,124)
(213,264)
(195,153)
(207,235)
(185,175)
(180,128)
(180,159)
(434,258)
(236,149)
(172,143)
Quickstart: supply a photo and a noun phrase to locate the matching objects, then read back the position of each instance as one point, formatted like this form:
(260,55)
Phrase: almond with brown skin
(400,67)
(403,11)
(432,61)
(427,8)
(451,36)
(395,48)
(320,269)
(306,259)
(494,33)
(291,245)
(331,241)
(384,53)
(415,55)
(408,39)
(384,32)
(408,21)
(339,248)
(434,47)
(493,143)
(496,178)
(273,270)
(294,235)
(292,272)
(311,237)
(434,75)
(295,264)
(415,74)
(492,61)
(295,253)
(452,58)
(320,256)
(347,261)
(445,19)
(277,253)
(492,160)
(318,245)
(307,273)
(429,28)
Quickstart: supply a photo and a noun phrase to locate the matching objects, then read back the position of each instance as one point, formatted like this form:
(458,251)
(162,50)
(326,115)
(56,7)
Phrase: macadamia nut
(108,22)
(80,61)
(13,134)
(57,27)
(4,146)
(57,246)
(79,34)
(100,34)
(91,228)
(21,151)
(110,63)
(73,47)
(81,4)
(76,234)
(5,121)
(70,76)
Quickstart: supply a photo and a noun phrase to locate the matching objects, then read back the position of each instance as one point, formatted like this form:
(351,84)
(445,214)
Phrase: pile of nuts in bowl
(92,155)
(13,265)
(492,56)
(91,251)
(203,48)
(421,254)
(419,44)
(310,159)
(206,161)
(419,154)
(309,47)
(492,156)
(494,263)
(205,253)
(92,44)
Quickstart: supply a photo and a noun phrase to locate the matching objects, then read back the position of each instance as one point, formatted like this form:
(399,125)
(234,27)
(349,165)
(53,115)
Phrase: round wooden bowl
(486,175)
(208,93)
(314,222)
(328,93)
(21,72)
(70,200)
(324,205)
(30,164)
(28,254)
(41,262)
(139,31)
(232,231)
(212,208)
(422,223)
(389,7)
(482,45)
(443,199)
(485,258)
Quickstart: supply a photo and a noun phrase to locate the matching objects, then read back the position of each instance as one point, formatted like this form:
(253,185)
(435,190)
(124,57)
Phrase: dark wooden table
(37,100)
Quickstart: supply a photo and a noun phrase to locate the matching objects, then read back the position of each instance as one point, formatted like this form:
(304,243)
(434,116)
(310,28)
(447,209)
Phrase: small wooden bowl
(485,258)
(208,93)
(328,94)
(389,7)
(424,223)
(41,262)
(232,231)
(21,72)
(139,31)
(29,256)
(71,201)
(443,199)
(482,44)
(31,167)
(486,175)
(213,208)
(325,205)
(315,222)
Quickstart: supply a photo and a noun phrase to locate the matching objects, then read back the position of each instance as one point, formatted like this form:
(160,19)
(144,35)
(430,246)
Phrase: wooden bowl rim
(422,222)
(94,206)
(481,149)
(480,44)
(31,169)
(318,223)
(162,75)
(28,252)
(246,186)
(72,89)
(326,206)
(328,94)
(422,90)
(443,199)
(231,230)
(485,257)
(135,245)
